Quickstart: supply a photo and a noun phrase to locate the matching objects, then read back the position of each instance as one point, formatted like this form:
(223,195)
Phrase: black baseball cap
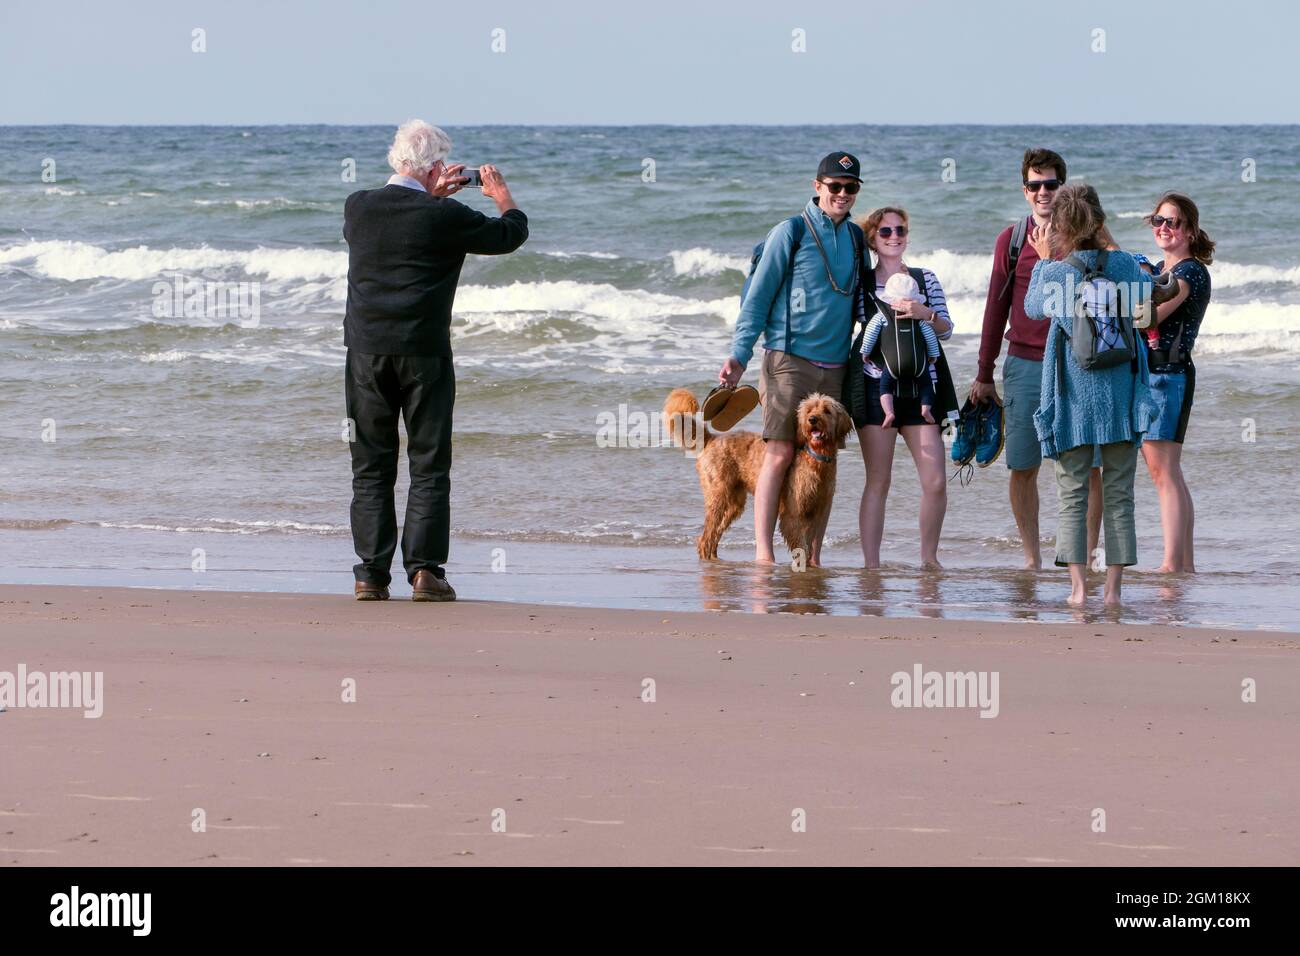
(840,164)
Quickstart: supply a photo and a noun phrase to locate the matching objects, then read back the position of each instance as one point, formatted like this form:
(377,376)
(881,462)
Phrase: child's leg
(888,385)
(925,390)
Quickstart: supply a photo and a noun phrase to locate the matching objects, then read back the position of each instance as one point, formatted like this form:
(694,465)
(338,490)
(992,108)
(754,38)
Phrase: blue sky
(711,61)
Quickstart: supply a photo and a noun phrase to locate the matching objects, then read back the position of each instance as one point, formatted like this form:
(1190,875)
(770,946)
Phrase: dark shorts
(1172,392)
(907,411)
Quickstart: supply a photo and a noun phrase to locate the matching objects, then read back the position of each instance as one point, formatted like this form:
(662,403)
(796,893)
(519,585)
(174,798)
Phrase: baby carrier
(900,348)
(854,392)
(901,351)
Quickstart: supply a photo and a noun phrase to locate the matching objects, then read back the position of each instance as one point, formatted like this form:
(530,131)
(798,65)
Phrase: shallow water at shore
(658,578)
(174,433)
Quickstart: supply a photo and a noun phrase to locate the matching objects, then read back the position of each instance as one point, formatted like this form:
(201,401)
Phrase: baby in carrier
(898,347)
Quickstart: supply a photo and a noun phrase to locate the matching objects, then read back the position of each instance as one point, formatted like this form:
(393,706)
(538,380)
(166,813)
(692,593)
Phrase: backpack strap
(1060,364)
(1018,232)
(859,242)
(918,276)
(1079,264)
(796,231)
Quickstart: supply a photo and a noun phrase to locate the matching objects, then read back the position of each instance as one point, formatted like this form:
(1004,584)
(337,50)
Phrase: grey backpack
(1102,331)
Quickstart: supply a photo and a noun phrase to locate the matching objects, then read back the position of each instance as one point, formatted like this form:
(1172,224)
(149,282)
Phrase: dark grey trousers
(422,390)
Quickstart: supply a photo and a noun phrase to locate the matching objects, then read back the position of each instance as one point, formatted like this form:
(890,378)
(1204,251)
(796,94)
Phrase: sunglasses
(834,188)
(1051,185)
(886,231)
(1158,221)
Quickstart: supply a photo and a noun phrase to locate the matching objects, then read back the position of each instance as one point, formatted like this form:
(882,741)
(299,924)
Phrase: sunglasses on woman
(886,231)
(834,188)
(1051,185)
(1158,221)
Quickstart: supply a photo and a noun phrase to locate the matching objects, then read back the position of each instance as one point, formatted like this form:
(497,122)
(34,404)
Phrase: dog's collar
(824,459)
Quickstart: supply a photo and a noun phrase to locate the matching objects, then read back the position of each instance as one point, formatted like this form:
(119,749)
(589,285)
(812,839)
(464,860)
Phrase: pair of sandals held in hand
(727,404)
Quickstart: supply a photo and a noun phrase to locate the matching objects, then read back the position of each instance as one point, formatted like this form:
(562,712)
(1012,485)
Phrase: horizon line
(5,125)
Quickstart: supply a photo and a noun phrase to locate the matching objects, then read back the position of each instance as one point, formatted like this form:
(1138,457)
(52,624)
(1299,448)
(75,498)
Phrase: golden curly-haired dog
(729,464)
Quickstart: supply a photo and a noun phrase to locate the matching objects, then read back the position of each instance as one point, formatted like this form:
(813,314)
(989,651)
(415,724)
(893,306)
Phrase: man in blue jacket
(805,315)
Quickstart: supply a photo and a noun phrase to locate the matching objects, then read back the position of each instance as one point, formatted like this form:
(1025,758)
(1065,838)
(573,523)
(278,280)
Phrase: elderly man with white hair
(407,242)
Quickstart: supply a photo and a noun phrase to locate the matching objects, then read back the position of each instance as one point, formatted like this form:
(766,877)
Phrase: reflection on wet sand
(904,590)
(764,588)
(871,585)
(927,594)
(1023,595)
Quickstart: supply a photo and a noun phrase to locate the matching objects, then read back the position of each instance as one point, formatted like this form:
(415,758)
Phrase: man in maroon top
(1042,173)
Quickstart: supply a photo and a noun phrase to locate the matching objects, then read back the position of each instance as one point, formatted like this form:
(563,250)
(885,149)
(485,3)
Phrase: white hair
(416,147)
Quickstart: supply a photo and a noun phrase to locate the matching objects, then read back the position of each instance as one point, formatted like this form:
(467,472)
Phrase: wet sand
(532,717)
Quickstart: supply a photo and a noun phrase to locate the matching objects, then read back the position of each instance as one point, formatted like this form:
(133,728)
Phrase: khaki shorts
(784,381)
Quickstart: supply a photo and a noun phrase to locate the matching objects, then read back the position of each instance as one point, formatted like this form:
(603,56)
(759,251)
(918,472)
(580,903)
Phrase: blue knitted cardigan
(1096,406)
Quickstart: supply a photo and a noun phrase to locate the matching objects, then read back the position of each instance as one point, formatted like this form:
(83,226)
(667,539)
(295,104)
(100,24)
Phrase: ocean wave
(699,261)
(228,526)
(63,191)
(513,302)
(73,261)
(611,532)
(33,524)
(560,254)
(964,273)
(1227,275)
(279,202)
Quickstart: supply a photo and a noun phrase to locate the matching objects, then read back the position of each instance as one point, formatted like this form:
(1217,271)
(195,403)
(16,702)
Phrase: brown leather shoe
(427,586)
(365,591)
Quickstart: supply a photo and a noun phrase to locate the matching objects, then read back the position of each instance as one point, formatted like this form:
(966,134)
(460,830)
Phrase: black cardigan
(405,252)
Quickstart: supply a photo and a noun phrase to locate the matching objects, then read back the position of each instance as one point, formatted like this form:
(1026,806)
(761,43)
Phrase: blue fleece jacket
(1094,406)
(822,331)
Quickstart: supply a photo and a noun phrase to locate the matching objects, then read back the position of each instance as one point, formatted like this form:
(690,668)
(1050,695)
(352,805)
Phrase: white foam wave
(594,299)
(63,191)
(1249,327)
(75,261)
(1129,215)
(699,261)
(960,273)
(228,526)
(559,254)
(963,273)
(277,201)
(1226,275)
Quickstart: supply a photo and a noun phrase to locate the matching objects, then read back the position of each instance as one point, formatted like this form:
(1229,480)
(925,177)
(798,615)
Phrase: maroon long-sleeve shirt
(1026,337)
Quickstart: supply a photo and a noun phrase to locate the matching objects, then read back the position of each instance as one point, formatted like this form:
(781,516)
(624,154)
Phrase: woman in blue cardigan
(1084,408)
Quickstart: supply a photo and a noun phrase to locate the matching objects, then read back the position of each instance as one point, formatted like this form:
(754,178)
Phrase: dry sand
(232,703)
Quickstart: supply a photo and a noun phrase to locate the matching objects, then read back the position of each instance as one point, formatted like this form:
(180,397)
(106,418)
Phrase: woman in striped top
(886,235)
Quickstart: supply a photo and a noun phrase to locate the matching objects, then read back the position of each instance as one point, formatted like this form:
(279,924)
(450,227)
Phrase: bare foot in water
(1078,597)
(1112,598)
(931,565)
